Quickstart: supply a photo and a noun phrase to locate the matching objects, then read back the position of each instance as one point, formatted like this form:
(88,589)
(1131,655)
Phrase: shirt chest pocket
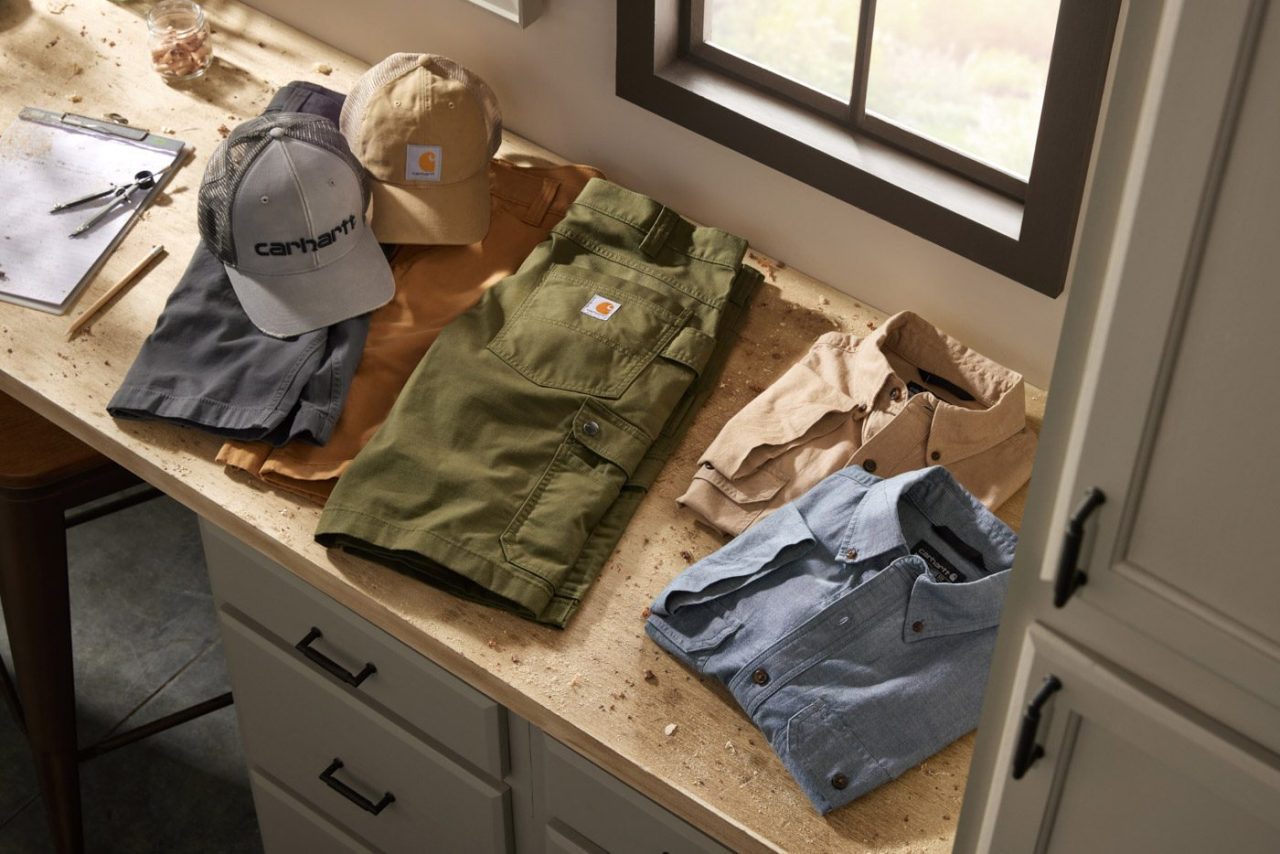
(585,331)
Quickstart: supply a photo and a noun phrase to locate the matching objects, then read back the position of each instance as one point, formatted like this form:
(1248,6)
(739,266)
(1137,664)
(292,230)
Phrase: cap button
(276,132)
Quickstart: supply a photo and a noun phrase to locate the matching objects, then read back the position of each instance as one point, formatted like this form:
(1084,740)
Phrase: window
(968,122)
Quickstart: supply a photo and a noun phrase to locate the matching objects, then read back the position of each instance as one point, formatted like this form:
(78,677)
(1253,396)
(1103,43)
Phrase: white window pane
(810,41)
(969,74)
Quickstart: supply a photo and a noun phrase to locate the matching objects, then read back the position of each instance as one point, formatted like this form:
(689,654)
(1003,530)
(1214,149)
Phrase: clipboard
(50,157)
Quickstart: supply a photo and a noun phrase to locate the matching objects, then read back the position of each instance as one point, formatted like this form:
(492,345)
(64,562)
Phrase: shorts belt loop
(542,202)
(658,232)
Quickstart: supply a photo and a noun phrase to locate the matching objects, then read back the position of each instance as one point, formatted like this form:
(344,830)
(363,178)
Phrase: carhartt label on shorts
(423,162)
(601,308)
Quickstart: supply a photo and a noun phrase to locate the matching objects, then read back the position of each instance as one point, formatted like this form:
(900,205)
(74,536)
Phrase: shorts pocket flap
(617,440)
(691,348)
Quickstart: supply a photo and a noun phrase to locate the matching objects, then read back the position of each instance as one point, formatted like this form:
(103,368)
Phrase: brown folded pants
(434,284)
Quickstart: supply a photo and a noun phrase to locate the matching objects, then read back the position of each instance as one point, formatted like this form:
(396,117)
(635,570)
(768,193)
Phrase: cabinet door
(1178,421)
(1126,768)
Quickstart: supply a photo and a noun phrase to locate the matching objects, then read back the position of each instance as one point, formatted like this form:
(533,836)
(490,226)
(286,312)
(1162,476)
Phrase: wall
(555,84)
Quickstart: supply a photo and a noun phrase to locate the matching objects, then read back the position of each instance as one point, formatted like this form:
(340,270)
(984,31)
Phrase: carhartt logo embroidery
(423,162)
(601,308)
(308,244)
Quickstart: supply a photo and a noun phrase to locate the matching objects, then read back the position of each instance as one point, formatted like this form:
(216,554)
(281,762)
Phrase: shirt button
(591,428)
(869,466)
(917,626)
(850,554)
(760,676)
(895,394)
(839,781)
(935,456)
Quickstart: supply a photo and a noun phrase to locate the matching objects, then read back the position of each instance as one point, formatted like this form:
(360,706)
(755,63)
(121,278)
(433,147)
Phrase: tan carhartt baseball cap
(425,127)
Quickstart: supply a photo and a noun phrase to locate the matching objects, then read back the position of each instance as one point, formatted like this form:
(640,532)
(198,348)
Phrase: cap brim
(433,214)
(289,305)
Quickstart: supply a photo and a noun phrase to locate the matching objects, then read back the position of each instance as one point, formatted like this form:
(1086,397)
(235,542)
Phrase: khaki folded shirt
(906,397)
(434,284)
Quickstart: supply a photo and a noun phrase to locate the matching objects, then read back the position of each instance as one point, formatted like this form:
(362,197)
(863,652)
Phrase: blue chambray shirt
(854,625)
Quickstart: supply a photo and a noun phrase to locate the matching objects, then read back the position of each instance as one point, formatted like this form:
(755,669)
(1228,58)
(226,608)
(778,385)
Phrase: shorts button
(917,626)
(760,676)
(591,428)
(935,456)
(869,466)
(839,781)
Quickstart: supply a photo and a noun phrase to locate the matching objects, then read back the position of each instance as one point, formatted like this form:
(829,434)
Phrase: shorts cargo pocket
(599,454)
(585,331)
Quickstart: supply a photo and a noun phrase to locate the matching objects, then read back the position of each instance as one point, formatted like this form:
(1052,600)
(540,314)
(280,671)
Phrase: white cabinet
(1165,732)
(355,742)
(1128,768)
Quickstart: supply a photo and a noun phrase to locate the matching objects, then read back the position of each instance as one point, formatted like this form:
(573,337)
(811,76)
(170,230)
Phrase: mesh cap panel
(232,158)
(396,66)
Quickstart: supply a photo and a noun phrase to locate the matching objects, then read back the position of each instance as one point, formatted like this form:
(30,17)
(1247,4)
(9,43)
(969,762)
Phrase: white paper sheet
(41,266)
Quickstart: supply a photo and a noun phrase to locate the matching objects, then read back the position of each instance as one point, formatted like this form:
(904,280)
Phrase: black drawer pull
(1070,576)
(353,679)
(1026,752)
(351,794)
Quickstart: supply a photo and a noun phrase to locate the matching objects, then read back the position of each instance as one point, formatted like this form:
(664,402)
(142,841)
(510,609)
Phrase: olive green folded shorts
(525,439)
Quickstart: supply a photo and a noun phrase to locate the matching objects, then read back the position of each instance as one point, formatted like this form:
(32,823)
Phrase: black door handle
(1026,752)
(351,794)
(1070,576)
(353,679)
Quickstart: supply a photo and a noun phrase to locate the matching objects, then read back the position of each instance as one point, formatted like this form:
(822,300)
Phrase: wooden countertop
(586,685)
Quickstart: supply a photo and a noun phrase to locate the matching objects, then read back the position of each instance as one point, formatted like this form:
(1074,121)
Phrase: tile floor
(146,644)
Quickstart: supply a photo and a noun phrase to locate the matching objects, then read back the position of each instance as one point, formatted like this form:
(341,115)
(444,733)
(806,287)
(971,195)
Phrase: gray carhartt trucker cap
(282,205)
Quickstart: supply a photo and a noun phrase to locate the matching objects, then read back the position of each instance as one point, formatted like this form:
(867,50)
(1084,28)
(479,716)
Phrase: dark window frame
(1025,231)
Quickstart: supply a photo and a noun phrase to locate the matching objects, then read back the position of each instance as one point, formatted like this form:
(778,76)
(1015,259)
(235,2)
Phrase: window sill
(1029,241)
(905,172)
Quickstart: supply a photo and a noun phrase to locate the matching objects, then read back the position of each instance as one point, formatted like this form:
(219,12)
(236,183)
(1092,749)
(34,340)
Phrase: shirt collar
(875,530)
(956,433)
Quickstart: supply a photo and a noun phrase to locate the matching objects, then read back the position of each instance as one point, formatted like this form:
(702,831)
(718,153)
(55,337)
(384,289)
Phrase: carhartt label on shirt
(423,162)
(601,308)
(940,567)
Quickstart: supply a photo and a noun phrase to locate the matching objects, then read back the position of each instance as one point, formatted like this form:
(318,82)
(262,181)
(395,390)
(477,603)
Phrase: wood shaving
(58,8)
(728,745)
(224,131)
(75,99)
(576,680)
(650,676)
(687,556)
(322,68)
(644,615)
(670,730)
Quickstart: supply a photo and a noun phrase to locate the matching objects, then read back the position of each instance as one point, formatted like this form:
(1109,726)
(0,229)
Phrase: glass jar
(178,36)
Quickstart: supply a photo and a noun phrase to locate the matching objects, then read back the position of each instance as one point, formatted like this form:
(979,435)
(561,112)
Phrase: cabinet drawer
(587,809)
(290,826)
(451,714)
(295,725)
